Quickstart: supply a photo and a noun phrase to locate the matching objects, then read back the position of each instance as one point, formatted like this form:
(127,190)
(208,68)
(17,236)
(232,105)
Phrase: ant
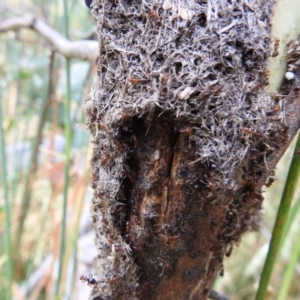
(165,79)
(90,280)
(154,15)
(109,238)
(249,132)
(186,130)
(105,159)
(297,153)
(217,90)
(228,253)
(138,81)
(276,46)
(253,88)
(273,110)
(113,280)
(264,76)
(269,182)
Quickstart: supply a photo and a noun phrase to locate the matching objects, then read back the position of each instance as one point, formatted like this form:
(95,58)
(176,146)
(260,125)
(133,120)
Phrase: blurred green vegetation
(33,95)
(35,115)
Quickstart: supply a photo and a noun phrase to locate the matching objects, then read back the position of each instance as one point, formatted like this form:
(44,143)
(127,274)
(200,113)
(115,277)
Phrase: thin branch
(86,50)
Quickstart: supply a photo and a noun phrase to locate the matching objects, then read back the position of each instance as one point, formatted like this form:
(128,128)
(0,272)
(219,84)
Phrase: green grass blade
(290,270)
(70,296)
(291,219)
(7,235)
(282,215)
(68,134)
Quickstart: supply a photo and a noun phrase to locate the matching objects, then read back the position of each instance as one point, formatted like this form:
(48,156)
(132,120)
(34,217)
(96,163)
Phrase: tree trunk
(185,136)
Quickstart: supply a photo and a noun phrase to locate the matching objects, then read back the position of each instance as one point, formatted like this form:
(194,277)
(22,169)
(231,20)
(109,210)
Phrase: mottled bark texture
(185,136)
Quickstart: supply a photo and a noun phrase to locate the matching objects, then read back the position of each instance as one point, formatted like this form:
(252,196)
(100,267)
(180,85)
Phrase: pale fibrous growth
(184,138)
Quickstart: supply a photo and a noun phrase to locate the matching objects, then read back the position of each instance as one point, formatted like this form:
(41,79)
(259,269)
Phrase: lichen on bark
(184,138)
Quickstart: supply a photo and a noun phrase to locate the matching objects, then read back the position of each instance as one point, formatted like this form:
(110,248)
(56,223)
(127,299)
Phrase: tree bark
(185,136)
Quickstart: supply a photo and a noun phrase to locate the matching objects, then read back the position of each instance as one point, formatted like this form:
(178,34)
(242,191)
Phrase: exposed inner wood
(173,213)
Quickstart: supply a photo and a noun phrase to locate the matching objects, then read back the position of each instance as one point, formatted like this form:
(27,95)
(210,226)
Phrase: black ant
(90,280)
(269,182)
